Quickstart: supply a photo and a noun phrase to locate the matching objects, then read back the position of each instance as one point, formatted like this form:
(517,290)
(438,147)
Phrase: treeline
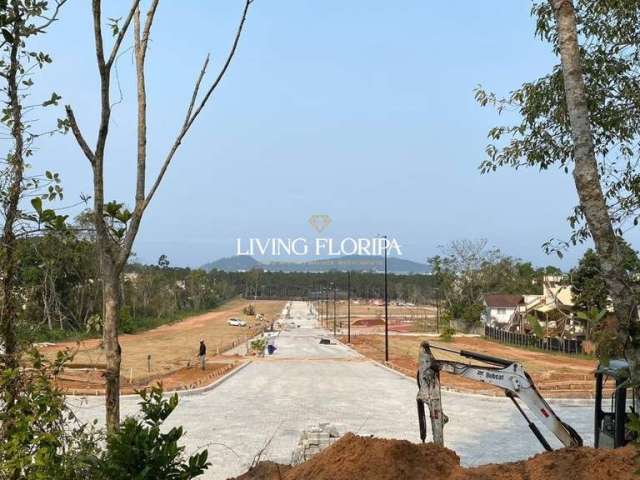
(60,290)
(468,269)
(263,284)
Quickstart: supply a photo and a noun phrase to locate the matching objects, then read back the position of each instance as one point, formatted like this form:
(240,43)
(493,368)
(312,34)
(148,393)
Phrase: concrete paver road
(267,404)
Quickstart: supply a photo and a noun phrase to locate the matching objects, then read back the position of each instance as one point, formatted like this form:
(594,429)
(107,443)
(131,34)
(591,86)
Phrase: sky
(362,111)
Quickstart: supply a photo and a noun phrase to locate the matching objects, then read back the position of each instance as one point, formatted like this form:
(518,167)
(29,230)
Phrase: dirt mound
(266,471)
(569,463)
(353,457)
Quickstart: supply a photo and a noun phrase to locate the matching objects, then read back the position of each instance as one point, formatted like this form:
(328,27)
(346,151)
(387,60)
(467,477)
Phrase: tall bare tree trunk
(113,250)
(587,181)
(110,314)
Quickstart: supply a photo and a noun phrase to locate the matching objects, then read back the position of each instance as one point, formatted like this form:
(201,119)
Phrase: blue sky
(360,110)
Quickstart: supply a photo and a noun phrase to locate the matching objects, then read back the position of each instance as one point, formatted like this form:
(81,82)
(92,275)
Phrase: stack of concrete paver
(313,440)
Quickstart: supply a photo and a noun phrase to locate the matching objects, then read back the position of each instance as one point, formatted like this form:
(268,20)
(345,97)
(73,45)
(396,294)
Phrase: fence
(572,347)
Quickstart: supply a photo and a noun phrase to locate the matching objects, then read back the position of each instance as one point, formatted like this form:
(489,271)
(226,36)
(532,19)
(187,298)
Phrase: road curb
(211,386)
(184,393)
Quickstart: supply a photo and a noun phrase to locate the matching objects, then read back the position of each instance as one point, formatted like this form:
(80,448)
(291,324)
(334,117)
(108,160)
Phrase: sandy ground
(173,349)
(556,375)
(262,409)
(419,318)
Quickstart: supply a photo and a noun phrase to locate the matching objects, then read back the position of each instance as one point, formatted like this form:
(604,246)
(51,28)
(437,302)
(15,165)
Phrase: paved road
(267,404)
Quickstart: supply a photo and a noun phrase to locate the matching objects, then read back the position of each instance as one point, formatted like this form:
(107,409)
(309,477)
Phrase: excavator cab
(615,402)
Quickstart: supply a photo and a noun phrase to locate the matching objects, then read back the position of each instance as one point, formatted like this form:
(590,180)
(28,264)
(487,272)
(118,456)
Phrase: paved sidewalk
(272,400)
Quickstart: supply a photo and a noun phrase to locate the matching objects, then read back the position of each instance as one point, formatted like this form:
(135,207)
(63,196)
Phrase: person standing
(202,353)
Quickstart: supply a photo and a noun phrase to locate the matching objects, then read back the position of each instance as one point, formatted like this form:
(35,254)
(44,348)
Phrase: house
(501,308)
(554,310)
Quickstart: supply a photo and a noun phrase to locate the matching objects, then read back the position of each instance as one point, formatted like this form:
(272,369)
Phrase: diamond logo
(319,222)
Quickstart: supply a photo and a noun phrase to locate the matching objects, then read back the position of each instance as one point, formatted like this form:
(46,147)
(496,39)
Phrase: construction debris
(313,440)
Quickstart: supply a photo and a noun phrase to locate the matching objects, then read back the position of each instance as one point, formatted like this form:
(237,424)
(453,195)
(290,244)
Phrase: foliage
(249,310)
(610,38)
(42,438)
(535,325)
(592,318)
(468,269)
(144,450)
(587,282)
(60,294)
(447,334)
(258,345)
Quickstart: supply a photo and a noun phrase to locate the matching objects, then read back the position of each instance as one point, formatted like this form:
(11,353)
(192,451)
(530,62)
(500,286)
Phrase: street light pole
(386,304)
(334,309)
(349,306)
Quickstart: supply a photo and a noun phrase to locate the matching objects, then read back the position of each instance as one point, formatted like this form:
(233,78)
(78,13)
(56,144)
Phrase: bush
(447,334)
(258,345)
(42,439)
(139,450)
(249,310)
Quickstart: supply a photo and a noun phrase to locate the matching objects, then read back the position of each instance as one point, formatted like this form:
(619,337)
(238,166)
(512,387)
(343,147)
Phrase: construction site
(317,407)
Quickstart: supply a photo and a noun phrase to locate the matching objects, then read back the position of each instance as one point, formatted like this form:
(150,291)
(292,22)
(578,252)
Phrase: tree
(44,438)
(584,115)
(587,284)
(116,227)
(20,22)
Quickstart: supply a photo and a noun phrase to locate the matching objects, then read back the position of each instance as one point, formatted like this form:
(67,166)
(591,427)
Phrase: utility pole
(386,304)
(349,306)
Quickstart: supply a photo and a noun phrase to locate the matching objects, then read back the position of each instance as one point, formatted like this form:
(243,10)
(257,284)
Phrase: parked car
(236,322)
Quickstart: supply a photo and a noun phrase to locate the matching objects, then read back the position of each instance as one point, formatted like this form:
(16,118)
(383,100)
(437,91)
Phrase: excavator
(612,415)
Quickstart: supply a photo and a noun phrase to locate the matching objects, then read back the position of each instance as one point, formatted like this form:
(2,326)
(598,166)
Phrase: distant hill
(356,263)
(237,263)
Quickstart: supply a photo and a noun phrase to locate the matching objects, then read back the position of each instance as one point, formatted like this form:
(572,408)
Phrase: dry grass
(175,346)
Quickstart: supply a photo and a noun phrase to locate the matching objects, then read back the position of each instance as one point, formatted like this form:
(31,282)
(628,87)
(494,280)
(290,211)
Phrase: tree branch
(192,116)
(122,32)
(53,17)
(78,134)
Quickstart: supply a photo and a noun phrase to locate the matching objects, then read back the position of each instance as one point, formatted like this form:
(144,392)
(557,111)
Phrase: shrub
(249,310)
(258,345)
(447,334)
(140,450)
(42,439)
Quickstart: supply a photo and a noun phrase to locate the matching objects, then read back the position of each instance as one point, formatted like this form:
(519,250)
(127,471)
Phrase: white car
(236,322)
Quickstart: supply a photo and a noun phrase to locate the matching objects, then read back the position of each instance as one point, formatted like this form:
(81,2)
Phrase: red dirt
(366,458)
(368,322)
(555,375)
(266,471)
(92,382)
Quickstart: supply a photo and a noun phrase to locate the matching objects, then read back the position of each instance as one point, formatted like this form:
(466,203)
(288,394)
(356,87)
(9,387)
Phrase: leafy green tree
(588,285)
(21,21)
(584,116)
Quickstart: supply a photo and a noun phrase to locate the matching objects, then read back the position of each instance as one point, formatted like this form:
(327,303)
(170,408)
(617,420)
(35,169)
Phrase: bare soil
(555,375)
(169,353)
(354,457)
